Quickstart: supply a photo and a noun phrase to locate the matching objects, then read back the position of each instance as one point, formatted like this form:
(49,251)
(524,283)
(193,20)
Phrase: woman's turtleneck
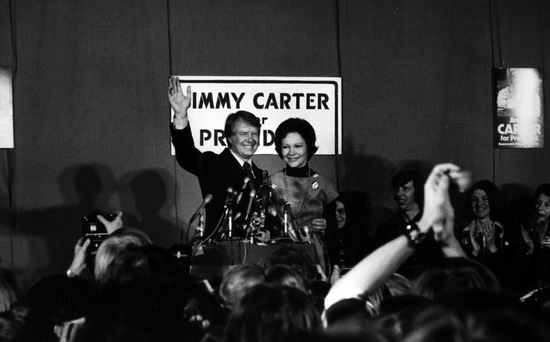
(298,171)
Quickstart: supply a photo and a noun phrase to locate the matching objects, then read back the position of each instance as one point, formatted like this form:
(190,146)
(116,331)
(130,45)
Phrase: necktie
(248,170)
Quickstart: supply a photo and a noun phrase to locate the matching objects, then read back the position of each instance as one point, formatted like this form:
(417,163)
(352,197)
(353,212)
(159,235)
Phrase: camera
(94,230)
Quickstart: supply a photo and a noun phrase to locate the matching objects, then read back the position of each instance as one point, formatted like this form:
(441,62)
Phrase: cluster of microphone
(249,219)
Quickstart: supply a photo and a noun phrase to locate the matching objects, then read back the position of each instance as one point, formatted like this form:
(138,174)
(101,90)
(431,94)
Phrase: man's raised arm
(179,102)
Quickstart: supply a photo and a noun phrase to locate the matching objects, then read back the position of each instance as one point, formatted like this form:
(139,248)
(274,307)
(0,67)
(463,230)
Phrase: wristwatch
(413,234)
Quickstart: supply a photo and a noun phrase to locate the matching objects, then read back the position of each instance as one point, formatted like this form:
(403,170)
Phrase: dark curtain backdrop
(91,114)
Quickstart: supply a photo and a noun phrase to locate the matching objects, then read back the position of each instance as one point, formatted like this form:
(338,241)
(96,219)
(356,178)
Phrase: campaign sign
(518,119)
(273,99)
(6,109)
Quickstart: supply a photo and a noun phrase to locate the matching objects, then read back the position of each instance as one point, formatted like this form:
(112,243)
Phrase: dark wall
(91,114)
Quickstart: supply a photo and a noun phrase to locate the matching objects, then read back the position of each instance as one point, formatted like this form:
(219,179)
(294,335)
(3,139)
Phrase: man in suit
(218,172)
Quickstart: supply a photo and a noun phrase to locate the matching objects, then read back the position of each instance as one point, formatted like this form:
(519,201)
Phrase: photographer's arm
(79,260)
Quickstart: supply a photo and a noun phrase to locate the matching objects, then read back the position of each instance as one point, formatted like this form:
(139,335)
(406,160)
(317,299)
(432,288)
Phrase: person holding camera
(79,264)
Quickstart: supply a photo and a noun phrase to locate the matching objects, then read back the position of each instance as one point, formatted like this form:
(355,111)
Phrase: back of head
(115,245)
(442,323)
(10,293)
(283,275)
(238,281)
(271,313)
(142,298)
(295,258)
(20,324)
(58,299)
(455,275)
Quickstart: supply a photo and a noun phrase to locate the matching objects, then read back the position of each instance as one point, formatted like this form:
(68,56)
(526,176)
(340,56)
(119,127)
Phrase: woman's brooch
(315,185)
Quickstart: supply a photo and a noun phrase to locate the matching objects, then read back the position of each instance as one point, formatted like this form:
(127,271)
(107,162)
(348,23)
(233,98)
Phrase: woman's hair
(238,281)
(114,245)
(300,126)
(493,195)
(271,313)
(10,293)
(358,208)
(542,189)
(454,276)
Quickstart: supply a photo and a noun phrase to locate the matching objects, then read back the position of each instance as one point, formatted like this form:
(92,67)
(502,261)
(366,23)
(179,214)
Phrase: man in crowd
(408,192)
(218,173)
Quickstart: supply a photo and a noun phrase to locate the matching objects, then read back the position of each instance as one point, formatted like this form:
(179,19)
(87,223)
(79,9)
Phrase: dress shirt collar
(240,160)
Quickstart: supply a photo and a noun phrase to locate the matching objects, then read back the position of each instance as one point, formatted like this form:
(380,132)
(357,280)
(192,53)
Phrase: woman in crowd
(349,240)
(485,234)
(488,240)
(537,236)
(300,189)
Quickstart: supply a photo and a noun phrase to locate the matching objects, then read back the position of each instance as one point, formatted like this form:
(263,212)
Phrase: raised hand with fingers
(178,100)
(475,246)
(437,203)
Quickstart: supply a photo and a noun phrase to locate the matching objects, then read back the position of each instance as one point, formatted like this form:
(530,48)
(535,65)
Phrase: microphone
(200,227)
(250,201)
(229,198)
(290,229)
(274,213)
(240,197)
(207,199)
(266,194)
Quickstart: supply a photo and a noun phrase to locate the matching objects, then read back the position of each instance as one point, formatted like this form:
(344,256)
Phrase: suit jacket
(216,173)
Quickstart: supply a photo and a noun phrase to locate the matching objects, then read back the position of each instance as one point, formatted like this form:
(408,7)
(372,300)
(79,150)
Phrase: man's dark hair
(300,126)
(405,176)
(233,118)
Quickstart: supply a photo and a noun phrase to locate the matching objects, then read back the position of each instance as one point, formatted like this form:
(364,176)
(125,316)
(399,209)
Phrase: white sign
(273,99)
(6,109)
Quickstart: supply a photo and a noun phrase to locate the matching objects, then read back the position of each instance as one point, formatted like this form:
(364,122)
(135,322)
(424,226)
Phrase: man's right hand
(179,102)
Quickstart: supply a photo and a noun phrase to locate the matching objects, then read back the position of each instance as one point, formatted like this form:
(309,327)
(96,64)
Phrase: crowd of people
(420,277)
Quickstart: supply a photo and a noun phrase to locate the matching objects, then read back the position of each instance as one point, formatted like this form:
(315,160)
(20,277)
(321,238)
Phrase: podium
(215,259)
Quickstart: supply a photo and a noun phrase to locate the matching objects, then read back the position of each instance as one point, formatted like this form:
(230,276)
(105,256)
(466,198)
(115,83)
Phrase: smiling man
(408,192)
(217,172)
